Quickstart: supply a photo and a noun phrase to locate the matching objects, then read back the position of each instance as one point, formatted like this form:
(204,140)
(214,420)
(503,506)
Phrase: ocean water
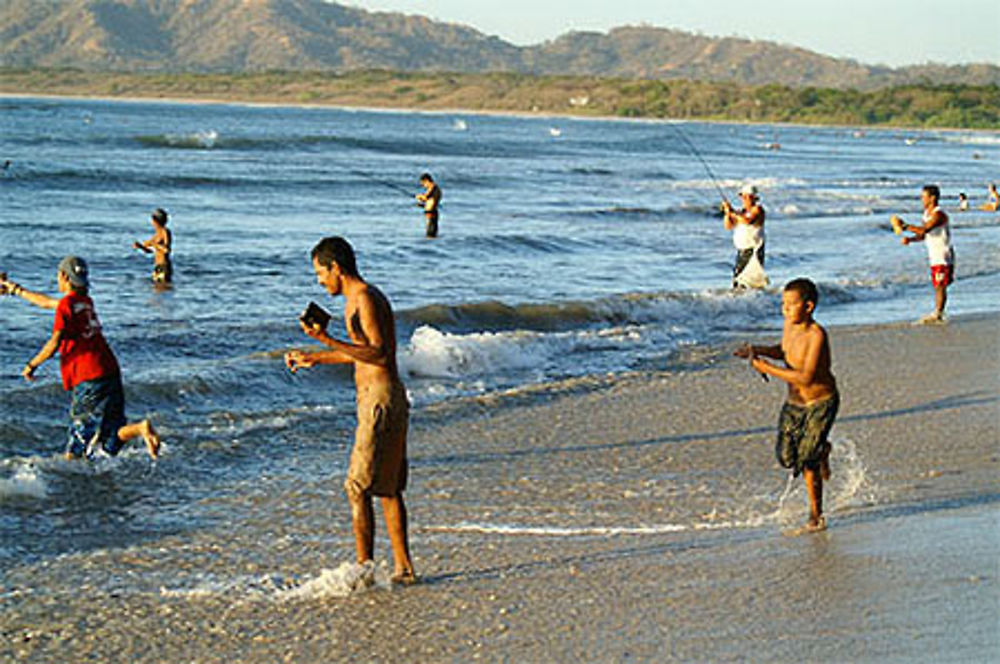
(568,249)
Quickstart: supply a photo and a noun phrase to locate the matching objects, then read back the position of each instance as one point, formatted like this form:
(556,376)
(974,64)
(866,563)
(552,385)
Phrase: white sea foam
(973,139)
(26,482)
(762,184)
(659,322)
(434,353)
(710,523)
(348,579)
(849,486)
(204,139)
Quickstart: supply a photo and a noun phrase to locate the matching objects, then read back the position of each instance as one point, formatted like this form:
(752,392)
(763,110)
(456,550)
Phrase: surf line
(592,531)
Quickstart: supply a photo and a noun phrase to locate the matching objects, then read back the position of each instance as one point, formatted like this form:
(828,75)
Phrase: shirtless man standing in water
(430,201)
(378,465)
(159,245)
(813,400)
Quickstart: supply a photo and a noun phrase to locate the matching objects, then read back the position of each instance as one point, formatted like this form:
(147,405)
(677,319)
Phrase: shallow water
(567,254)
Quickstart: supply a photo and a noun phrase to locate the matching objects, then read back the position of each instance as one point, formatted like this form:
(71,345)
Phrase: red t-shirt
(83,353)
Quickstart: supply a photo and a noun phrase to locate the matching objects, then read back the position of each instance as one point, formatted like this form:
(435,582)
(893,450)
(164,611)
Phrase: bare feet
(151,437)
(405,578)
(933,318)
(816,525)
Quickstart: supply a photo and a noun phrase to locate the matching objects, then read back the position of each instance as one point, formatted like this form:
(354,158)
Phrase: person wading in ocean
(378,465)
(430,200)
(747,225)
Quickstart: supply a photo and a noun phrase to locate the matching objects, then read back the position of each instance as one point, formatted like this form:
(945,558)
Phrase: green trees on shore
(923,105)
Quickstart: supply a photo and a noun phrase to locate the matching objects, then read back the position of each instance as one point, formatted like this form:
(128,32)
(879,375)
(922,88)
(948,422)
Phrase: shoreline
(217,101)
(637,521)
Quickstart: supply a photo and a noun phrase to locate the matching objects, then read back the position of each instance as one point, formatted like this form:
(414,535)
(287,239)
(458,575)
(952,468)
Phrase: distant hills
(315,35)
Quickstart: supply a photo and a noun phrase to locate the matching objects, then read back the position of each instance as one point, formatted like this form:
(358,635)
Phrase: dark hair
(337,250)
(933,190)
(805,288)
(160,216)
(427,177)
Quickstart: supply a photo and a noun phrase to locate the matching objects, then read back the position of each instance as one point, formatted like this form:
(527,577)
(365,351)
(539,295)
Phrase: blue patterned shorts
(96,415)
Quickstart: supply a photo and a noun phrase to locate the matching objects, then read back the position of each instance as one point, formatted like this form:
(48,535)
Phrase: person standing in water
(159,245)
(88,366)
(935,233)
(747,225)
(378,465)
(992,203)
(430,200)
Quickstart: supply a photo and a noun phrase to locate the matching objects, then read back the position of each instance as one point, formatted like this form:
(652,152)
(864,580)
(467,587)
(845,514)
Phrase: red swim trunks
(942,275)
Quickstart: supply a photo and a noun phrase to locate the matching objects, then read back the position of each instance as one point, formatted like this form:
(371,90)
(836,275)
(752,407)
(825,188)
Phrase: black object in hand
(315,315)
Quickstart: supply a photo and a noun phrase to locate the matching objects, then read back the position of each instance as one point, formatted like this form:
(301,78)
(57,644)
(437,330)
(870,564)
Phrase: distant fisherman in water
(159,245)
(378,465)
(935,233)
(993,200)
(747,225)
(812,402)
(88,366)
(430,200)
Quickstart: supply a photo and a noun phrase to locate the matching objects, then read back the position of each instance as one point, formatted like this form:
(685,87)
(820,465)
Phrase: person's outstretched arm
(38,299)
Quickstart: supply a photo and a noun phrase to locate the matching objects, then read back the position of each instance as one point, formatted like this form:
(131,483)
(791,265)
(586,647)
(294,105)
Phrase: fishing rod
(694,150)
(384,183)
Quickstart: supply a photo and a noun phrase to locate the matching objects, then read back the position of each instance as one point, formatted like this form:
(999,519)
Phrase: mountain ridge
(315,35)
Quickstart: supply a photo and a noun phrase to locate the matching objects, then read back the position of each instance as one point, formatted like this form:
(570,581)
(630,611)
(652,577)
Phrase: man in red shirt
(88,366)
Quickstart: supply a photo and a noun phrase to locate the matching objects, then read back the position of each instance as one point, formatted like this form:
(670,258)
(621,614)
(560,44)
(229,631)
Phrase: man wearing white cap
(747,225)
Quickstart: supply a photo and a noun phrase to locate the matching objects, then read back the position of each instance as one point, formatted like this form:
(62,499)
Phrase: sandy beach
(628,518)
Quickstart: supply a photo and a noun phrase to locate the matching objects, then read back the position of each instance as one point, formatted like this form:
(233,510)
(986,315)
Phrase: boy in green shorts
(812,403)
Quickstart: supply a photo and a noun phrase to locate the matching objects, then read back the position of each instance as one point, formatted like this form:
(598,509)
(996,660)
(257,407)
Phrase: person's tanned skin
(159,244)
(805,350)
(928,201)
(127,432)
(372,351)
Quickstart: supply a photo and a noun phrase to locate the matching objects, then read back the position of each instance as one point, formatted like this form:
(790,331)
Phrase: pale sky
(891,32)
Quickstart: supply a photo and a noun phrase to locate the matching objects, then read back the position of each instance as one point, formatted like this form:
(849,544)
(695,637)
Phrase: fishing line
(384,183)
(694,150)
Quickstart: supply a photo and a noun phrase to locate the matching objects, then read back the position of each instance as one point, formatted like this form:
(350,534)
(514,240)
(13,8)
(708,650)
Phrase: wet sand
(636,518)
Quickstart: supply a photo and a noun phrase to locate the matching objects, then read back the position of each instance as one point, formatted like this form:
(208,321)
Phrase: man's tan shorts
(378,460)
